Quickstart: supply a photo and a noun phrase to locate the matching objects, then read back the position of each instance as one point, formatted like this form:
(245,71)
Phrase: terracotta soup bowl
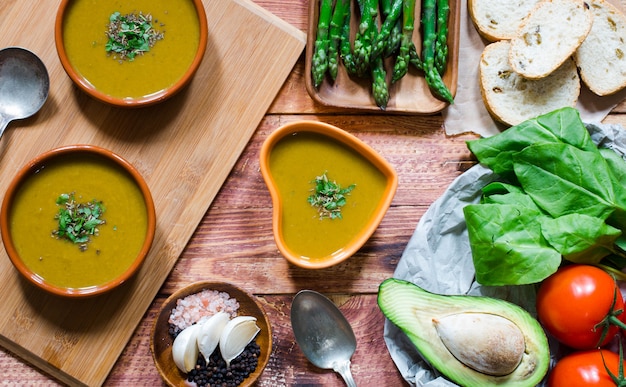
(77,221)
(141,65)
(329,190)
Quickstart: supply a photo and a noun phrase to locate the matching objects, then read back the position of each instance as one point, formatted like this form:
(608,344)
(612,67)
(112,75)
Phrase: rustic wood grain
(184,148)
(234,242)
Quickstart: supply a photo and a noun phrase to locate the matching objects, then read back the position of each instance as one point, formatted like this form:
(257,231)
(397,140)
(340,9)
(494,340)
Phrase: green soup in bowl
(300,161)
(131,53)
(77,221)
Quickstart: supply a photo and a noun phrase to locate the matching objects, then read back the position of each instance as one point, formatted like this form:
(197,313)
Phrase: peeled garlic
(210,332)
(237,334)
(185,348)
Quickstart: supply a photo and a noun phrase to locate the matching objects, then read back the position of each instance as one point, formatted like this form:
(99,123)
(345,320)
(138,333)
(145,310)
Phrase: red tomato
(585,368)
(574,300)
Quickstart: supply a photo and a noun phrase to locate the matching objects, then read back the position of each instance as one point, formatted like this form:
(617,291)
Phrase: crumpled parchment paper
(468,113)
(438,258)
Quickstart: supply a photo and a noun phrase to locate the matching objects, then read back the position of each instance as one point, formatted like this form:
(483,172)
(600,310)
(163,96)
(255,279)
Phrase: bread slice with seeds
(498,20)
(549,36)
(511,98)
(601,58)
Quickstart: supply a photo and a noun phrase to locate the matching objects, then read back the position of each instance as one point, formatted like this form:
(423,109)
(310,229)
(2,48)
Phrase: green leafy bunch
(77,222)
(557,197)
(329,197)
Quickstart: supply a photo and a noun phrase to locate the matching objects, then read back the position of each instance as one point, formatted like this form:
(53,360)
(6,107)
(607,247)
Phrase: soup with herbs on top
(167,32)
(45,211)
(305,164)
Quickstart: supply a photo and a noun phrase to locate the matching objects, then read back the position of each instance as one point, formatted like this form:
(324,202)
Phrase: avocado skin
(413,309)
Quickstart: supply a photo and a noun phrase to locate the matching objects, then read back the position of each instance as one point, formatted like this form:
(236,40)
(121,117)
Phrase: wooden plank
(185,148)
(426,163)
(235,239)
(371,363)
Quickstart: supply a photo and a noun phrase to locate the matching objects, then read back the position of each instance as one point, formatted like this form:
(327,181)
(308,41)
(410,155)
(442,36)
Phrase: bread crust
(498,20)
(511,98)
(601,58)
(549,36)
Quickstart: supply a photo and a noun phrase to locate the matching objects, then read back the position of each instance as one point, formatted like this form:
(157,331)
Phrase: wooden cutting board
(184,147)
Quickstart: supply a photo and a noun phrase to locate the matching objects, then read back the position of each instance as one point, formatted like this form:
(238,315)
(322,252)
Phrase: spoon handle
(343,369)
(4,122)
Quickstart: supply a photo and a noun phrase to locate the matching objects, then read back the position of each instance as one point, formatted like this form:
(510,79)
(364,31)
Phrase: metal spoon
(323,333)
(24,85)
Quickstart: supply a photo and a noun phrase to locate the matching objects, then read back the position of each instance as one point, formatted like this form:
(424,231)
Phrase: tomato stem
(611,318)
(616,321)
(619,378)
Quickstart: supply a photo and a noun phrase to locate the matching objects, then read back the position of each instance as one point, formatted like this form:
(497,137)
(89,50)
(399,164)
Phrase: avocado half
(470,351)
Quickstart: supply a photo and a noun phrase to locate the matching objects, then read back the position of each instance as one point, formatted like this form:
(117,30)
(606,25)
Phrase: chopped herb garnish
(329,197)
(78,221)
(131,35)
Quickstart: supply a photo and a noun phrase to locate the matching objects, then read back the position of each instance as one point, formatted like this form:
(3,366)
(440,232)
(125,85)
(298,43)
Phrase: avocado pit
(474,341)
(487,343)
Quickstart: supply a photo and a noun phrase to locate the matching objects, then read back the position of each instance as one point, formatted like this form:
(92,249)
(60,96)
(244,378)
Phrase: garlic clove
(210,332)
(237,334)
(185,348)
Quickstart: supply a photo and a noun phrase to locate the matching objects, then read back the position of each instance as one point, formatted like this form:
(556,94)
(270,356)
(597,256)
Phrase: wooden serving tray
(184,147)
(410,95)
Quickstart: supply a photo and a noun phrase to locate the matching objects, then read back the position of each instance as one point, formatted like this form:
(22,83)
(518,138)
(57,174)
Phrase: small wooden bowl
(353,146)
(150,99)
(161,341)
(33,168)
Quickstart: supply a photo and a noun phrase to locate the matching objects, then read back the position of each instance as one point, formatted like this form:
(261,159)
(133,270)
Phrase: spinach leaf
(502,193)
(558,197)
(508,246)
(499,187)
(563,179)
(561,126)
(580,238)
(616,164)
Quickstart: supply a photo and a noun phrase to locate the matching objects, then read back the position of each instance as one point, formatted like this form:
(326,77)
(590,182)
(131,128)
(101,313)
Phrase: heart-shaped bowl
(314,228)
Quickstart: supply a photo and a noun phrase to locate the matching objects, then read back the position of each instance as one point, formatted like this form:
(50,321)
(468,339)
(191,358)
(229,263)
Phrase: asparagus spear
(346,54)
(342,8)
(441,42)
(393,42)
(380,90)
(366,34)
(408,20)
(320,53)
(434,81)
(433,78)
(391,20)
(385,7)
(414,58)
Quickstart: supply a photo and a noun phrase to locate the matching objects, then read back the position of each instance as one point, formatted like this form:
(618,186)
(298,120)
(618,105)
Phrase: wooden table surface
(234,241)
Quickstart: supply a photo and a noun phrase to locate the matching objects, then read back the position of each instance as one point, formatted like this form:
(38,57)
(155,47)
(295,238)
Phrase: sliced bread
(511,98)
(601,58)
(549,36)
(498,20)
